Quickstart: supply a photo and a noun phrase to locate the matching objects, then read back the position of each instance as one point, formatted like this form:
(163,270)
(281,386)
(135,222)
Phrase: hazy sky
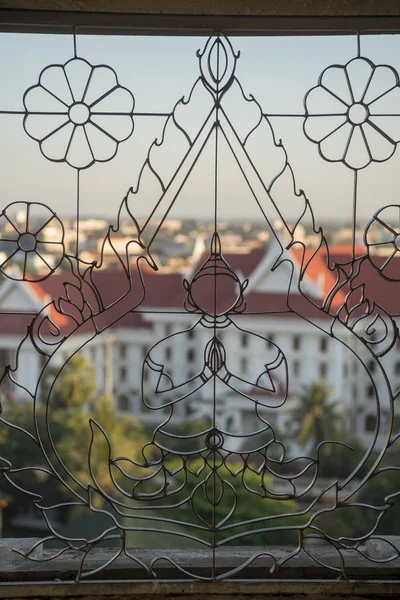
(278,71)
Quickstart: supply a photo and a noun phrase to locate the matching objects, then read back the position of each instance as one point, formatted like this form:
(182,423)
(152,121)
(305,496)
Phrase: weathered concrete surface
(223,590)
(220,7)
(195,562)
(20,545)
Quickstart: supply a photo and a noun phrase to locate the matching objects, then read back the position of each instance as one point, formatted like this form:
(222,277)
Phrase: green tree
(224,498)
(382,491)
(316,416)
(74,386)
(341,458)
(72,405)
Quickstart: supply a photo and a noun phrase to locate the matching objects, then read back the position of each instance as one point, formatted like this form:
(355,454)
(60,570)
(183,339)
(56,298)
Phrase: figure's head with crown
(215,290)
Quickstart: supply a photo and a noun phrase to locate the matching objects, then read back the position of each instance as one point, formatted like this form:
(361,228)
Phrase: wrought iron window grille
(198,486)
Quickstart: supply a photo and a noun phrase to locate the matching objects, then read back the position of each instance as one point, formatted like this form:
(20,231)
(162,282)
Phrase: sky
(278,71)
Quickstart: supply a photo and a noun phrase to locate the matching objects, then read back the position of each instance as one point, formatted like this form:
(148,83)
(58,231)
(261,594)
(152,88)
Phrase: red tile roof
(377,288)
(165,292)
(14,323)
(315,262)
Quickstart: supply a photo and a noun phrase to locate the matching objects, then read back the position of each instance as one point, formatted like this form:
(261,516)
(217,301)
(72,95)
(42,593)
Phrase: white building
(162,353)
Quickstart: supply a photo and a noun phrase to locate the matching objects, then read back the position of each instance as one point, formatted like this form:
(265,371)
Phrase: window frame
(68,17)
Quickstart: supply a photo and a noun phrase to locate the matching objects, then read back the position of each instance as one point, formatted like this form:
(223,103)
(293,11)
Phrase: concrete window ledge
(300,577)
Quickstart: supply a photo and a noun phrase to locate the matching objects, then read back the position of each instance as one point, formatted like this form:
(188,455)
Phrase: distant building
(161,351)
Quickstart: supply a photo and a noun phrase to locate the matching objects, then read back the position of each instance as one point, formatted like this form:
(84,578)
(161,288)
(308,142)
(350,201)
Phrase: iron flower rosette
(382,238)
(78,113)
(30,235)
(352,113)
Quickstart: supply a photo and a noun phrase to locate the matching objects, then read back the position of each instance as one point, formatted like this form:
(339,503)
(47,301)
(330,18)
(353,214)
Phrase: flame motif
(369,321)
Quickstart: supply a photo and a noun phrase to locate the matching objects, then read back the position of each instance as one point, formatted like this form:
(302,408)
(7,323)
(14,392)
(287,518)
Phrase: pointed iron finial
(215,244)
(218,64)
